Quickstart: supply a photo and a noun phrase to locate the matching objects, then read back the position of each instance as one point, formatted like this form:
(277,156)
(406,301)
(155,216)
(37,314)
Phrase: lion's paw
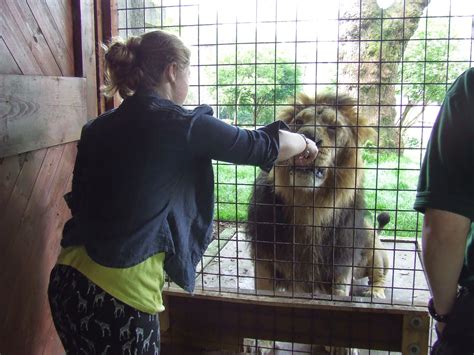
(375,292)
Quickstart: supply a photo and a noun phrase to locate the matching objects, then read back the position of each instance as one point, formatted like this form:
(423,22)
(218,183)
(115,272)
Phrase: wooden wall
(41,38)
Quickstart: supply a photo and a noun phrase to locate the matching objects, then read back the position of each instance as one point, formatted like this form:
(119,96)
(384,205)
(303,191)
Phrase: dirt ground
(228,266)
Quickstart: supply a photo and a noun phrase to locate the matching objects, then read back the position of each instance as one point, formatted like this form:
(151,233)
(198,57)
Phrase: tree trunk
(371,47)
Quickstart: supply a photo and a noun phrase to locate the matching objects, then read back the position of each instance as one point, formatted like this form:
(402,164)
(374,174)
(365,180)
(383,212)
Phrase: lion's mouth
(319,173)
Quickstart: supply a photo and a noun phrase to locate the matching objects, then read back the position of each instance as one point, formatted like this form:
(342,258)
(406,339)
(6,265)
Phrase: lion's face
(333,126)
(331,132)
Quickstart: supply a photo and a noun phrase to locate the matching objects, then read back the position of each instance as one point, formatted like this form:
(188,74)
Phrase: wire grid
(251,58)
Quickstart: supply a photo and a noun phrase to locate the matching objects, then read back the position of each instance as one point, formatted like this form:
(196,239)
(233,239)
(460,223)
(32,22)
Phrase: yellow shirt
(138,286)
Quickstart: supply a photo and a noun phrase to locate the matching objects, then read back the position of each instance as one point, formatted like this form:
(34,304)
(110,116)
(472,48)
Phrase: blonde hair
(140,61)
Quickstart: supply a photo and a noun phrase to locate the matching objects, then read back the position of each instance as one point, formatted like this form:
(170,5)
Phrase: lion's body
(307,226)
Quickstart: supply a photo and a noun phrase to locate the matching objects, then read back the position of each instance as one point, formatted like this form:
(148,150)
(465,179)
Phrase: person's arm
(443,246)
(212,138)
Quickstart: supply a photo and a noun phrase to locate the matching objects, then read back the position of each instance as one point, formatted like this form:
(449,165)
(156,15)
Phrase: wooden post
(85,50)
(415,334)
(164,316)
(107,28)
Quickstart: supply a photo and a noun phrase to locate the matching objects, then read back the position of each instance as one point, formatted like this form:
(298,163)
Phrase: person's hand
(307,156)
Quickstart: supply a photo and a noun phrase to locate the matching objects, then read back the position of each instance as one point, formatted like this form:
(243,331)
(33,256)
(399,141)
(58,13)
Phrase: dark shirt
(446,179)
(143,182)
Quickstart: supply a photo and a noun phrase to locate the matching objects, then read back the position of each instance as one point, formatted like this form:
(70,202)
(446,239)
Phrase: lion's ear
(360,124)
(287,114)
(303,100)
(365,133)
(295,106)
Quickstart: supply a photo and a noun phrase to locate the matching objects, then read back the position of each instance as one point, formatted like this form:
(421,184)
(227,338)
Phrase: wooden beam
(84,41)
(107,19)
(225,320)
(107,29)
(38,112)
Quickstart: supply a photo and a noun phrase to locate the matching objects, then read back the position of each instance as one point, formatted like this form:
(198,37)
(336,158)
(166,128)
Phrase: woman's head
(145,62)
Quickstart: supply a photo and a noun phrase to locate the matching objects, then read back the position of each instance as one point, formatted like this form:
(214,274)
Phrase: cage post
(416,330)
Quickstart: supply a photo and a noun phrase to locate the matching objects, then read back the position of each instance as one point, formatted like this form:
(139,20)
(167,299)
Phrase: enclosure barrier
(215,322)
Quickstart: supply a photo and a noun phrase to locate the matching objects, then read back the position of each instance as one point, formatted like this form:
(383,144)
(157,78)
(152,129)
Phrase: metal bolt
(416,322)
(414,349)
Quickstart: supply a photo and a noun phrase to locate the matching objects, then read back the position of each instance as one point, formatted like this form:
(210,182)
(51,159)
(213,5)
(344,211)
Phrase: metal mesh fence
(251,58)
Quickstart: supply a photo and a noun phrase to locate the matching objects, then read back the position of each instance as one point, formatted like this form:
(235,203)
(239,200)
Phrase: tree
(249,90)
(426,71)
(372,45)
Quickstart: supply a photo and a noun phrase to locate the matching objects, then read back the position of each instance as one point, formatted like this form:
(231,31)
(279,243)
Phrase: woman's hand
(296,145)
(307,156)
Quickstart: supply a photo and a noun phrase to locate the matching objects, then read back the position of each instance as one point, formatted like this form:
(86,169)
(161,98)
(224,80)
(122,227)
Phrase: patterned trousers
(90,321)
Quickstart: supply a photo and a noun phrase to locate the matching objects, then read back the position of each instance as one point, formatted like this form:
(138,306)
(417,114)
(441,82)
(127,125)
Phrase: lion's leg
(377,274)
(264,284)
(342,281)
(264,280)
(377,270)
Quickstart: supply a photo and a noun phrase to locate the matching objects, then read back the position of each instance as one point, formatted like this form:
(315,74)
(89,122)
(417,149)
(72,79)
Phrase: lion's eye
(331,128)
(298,121)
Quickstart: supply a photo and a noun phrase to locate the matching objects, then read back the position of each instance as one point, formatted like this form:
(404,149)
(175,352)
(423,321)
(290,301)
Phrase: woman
(142,197)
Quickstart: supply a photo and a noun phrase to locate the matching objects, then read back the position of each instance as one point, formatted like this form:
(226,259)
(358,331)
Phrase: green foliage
(425,71)
(389,184)
(233,185)
(249,90)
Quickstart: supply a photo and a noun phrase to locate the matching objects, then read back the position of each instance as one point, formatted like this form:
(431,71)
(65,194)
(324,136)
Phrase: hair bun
(140,61)
(122,55)
(133,43)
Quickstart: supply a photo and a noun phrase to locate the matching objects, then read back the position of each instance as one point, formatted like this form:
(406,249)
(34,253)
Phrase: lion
(307,225)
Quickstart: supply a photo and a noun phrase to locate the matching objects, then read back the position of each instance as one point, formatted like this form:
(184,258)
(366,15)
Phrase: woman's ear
(171,72)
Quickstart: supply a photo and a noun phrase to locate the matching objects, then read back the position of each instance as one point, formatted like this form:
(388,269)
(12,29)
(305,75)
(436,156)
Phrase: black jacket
(143,182)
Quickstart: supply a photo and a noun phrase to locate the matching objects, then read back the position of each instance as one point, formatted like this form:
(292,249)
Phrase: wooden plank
(84,50)
(61,11)
(12,217)
(7,62)
(341,303)
(32,250)
(29,244)
(102,15)
(89,55)
(32,184)
(223,323)
(49,212)
(9,170)
(16,43)
(61,50)
(107,15)
(77,38)
(37,112)
(27,27)
(9,167)
(49,250)
(25,257)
